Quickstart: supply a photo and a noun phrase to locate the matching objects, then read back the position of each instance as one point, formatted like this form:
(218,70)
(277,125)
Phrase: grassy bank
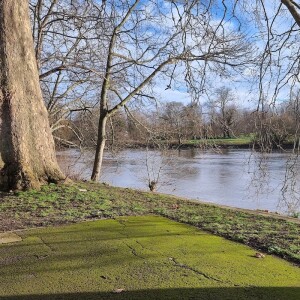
(225,142)
(241,142)
(55,205)
(143,257)
(247,142)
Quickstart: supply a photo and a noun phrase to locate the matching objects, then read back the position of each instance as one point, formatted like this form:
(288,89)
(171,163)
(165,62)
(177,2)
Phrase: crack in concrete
(133,251)
(173,260)
(177,264)
(149,249)
(122,223)
(47,244)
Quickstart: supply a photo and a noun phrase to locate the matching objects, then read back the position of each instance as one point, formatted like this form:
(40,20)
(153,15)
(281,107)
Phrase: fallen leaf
(118,291)
(259,255)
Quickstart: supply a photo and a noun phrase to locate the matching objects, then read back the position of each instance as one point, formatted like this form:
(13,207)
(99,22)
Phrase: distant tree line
(175,123)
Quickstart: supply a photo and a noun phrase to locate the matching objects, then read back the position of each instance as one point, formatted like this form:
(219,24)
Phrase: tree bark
(26,143)
(100,147)
(293,8)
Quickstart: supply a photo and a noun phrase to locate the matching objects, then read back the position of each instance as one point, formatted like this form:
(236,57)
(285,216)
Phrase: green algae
(149,257)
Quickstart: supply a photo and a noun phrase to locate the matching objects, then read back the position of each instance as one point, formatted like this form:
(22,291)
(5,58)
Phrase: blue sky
(244,85)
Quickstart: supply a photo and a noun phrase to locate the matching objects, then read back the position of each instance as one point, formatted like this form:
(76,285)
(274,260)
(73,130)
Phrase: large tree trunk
(26,143)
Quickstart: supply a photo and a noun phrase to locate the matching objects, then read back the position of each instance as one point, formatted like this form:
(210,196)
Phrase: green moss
(149,257)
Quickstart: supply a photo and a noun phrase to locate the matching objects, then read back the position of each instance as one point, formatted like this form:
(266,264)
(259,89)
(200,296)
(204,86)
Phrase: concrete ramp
(9,237)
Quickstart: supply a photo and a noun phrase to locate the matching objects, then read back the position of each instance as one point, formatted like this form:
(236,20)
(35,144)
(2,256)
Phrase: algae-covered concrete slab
(139,258)
(9,237)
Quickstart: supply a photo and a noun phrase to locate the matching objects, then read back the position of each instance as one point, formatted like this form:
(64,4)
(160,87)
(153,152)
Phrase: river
(237,178)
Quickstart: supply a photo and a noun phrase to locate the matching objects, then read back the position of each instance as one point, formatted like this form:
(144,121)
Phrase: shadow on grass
(223,293)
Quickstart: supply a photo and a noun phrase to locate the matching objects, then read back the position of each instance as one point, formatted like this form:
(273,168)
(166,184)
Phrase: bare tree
(68,58)
(275,25)
(146,42)
(225,106)
(174,119)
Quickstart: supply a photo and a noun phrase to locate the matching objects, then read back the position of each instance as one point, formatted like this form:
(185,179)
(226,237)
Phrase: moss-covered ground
(55,205)
(143,257)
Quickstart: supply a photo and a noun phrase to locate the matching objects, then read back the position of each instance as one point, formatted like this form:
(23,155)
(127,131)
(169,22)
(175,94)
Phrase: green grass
(149,257)
(241,141)
(55,205)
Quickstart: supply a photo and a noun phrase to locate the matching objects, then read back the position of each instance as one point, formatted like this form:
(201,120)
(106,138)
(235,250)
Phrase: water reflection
(239,178)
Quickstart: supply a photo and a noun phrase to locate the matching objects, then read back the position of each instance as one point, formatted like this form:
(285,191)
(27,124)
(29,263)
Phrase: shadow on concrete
(222,293)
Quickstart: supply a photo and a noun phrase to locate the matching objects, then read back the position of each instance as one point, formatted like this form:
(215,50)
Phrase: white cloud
(171,95)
